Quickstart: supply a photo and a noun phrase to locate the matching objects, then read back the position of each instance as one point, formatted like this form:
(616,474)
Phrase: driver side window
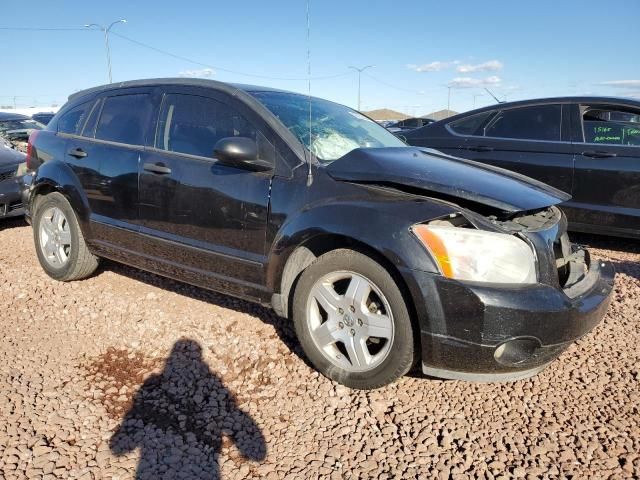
(193,125)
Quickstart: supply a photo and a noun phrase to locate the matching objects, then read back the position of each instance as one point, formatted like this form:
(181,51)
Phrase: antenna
(494,97)
(309,173)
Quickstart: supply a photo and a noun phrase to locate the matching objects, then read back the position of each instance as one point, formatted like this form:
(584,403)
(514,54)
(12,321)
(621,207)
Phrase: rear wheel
(352,320)
(61,248)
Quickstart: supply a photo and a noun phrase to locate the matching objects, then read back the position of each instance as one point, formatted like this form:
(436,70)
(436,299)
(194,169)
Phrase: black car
(10,180)
(16,128)
(586,146)
(381,254)
(43,117)
(409,124)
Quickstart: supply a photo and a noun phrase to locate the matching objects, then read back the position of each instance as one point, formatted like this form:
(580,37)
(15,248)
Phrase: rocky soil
(129,374)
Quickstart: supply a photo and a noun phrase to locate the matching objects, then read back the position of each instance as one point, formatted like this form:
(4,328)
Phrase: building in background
(440,114)
(385,114)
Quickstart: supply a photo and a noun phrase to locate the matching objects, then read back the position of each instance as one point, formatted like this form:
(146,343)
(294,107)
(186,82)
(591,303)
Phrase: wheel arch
(306,253)
(58,177)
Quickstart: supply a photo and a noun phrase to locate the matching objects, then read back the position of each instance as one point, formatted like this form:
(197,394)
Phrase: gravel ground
(129,374)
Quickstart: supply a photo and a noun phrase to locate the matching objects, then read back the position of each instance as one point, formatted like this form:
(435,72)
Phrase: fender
(57,176)
(386,232)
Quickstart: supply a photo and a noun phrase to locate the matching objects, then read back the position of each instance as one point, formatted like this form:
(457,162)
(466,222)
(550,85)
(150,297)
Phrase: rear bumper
(492,333)
(11,198)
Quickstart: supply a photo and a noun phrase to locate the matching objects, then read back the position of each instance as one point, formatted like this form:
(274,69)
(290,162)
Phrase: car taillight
(31,163)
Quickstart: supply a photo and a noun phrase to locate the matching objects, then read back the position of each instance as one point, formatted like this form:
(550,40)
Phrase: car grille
(7,174)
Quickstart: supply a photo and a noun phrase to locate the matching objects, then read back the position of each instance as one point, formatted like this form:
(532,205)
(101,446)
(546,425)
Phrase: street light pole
(360,70)
(106,41)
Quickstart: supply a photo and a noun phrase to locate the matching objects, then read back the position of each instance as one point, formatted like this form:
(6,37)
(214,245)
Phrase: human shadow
(181,418)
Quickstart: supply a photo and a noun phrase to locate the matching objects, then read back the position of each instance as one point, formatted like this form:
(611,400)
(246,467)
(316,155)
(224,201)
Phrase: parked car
(381,254)
(11,162)
(43,117)
(409,124)
(586,146)
(16,128)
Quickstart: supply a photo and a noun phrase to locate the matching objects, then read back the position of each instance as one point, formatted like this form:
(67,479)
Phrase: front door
(528,140)
(207,219)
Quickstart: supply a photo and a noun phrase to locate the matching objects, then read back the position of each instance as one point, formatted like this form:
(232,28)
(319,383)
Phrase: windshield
(7,126)
(335,129)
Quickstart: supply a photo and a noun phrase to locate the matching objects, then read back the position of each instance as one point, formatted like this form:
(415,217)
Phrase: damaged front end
(559,263)
(492,332)
(18,139)
(511,292)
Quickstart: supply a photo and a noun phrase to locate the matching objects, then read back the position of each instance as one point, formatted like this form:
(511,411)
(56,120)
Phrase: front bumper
(491,333)
(11,198)
(25,194)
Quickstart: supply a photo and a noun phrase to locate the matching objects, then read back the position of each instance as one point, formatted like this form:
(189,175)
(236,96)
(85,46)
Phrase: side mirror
(240,152)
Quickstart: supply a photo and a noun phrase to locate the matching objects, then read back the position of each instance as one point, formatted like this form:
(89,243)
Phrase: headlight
(22,169)
(466,254)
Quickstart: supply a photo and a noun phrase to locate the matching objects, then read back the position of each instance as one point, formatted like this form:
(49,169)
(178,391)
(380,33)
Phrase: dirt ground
(129,375)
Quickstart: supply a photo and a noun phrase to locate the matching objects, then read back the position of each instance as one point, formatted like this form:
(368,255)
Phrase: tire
(346,360)
(77,262)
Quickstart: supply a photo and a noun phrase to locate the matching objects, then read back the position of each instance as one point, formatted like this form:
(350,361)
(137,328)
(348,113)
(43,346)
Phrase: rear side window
(72,121)
(193,125)
(124,119)
(540,122)
(470,125)
(613,126)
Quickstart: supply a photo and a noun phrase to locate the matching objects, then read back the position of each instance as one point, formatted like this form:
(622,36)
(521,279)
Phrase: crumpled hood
(9,156)
(451,177)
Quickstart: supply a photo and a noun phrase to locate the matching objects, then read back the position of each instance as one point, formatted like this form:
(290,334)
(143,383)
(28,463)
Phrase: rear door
(532,140)
(207,219)
(606,194)
(105,157)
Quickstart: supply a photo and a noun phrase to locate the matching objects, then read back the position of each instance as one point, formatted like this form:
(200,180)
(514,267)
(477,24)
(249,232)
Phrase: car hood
(434,174)
(9,156)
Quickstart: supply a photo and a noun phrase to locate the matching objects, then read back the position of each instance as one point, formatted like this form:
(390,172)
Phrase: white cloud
(201,73)
(430,67)
(627,84)
(468,82)
(490,66)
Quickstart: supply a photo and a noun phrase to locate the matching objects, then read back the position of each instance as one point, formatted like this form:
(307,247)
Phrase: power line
(390,85)
(235,72)
(38,29)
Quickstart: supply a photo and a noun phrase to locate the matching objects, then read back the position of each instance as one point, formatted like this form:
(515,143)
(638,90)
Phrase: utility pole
(360,70)
(106,41)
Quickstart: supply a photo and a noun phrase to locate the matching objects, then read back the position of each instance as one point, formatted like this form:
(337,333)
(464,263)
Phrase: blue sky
(517,49)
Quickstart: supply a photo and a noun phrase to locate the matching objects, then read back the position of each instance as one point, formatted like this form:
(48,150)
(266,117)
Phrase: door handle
(77,153)
(480,148)
(158,168)
(599,154)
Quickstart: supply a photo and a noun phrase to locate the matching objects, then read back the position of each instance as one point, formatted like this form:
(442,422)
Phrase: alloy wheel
(350,321)
(55,237)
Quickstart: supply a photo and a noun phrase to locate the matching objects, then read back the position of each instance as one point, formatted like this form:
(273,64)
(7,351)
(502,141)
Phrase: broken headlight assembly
(477,255)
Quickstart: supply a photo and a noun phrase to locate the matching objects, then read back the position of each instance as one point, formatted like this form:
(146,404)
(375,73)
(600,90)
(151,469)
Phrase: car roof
(12,116)
(540,101)
(232,88)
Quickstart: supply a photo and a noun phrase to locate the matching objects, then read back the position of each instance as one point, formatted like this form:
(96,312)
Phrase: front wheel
(61,248)
(352,320)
